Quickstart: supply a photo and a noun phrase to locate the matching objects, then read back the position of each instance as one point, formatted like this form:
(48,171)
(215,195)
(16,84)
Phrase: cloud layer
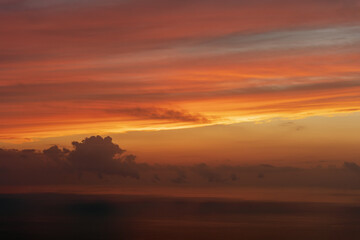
(97,160)
(96,155)
(125,65)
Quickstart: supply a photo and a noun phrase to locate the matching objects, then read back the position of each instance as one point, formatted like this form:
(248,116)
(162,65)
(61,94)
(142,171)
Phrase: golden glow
(99,69)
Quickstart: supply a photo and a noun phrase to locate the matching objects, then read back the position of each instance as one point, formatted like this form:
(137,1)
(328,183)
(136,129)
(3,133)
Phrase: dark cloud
(56,154)
(211,174)
(100,155)
(162,114)
(266,165)
(181,177)
(156,178)
(96,155)
(100,161)
(233,177)
(352,166)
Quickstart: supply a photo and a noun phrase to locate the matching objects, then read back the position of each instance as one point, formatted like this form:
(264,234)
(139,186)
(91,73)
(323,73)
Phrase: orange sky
(74,68)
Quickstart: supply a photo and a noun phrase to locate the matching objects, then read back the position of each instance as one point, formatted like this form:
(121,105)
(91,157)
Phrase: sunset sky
(185,81)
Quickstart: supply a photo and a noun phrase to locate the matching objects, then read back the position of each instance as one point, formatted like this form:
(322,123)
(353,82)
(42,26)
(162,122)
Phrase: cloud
(100,161)
(352,167)
(211,175)
(56,154)
(161,114)
(94,155)
(103,54)
(156,178)
(100,155)
(181,177)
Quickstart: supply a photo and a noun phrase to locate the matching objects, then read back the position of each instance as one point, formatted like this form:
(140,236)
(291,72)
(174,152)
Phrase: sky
(215,81)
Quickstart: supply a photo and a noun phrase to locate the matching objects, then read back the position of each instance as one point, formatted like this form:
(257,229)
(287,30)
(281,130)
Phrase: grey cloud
(56,154)
(156,178)
(161,114)
(181,177)
(94,91)
(288,39)
(94,155)
(352,167)
(212,175)
(234,92)
(234,177)
(100,161)
(100,155)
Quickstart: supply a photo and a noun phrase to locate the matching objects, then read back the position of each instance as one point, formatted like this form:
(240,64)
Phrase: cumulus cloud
(56,154)
(100,155)
(95,155)
(100,161)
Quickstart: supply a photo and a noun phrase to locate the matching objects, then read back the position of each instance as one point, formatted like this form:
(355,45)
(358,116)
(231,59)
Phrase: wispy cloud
(83,58)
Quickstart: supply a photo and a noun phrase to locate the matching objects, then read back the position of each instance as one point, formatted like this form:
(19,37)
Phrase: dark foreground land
(66,216)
